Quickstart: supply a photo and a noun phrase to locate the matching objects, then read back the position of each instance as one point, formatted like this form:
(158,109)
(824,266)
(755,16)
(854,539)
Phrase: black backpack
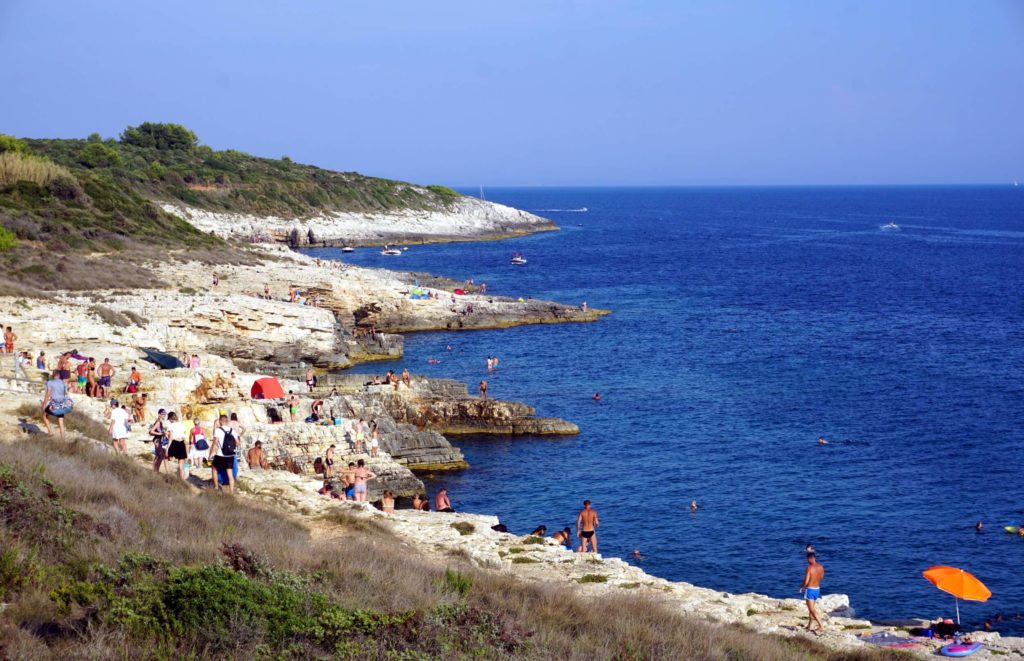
(228,445)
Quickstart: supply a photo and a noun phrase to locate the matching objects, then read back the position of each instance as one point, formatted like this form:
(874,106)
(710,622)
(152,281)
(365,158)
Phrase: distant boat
(890,226)
(390,251)
(518,259)
(347,249)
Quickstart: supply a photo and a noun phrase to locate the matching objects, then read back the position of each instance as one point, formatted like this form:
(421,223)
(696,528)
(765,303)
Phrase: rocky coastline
(465,219)
(355,315)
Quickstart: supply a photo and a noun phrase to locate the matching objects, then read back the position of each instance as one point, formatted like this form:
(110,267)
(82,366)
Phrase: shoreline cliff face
(464,219)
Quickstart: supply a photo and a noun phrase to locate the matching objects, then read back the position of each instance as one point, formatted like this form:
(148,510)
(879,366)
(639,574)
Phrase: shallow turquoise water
(747,322)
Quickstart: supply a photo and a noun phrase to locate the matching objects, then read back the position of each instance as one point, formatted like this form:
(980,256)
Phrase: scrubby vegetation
(102,197)
(101,559)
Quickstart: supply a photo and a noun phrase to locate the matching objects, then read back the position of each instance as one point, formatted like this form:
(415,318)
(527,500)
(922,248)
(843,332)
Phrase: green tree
(160,136)
(10,143)
(99,155)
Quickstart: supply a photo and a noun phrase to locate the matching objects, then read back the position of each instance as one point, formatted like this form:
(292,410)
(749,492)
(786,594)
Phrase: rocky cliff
(464,219)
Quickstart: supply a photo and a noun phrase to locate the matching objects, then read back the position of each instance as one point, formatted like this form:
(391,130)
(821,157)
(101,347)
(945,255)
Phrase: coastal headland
(226,296)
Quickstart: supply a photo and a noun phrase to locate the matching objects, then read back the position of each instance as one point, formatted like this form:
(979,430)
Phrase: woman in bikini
(362,475)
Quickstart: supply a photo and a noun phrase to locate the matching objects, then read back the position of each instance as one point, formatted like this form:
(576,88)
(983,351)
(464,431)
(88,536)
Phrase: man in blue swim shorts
(812,590)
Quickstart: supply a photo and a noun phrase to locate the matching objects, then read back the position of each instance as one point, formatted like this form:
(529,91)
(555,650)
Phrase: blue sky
(543,92)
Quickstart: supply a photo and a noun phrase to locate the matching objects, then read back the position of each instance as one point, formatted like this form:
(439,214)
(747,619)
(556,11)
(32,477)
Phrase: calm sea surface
(748,322)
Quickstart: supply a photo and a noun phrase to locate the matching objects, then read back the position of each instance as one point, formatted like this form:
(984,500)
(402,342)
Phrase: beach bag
(228,445)
(201,444)
(62,407)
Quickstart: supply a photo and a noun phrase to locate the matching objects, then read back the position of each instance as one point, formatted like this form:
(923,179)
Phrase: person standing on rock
(310,379)
(293,405)
(329,463)
(374,438)
(118,427)
(812,590)
(586,527)
(361,475)
(9,338)
(55,402)
(176,450)
(107,372)
(223,453)
(483,389)
(406,378)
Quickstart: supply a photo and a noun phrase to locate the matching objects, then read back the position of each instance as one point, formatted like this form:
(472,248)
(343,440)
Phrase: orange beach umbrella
(957,582)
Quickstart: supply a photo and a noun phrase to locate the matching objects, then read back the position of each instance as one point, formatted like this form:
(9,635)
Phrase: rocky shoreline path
(238,334)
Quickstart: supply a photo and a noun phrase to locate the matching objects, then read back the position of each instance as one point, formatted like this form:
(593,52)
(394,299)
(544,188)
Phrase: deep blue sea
(747,323)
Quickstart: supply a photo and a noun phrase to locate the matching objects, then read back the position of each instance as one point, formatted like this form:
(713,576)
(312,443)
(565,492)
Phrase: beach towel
(889,639)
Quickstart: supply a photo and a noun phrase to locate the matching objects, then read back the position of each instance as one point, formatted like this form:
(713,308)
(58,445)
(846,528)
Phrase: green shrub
(445,193)
(7,239)
(65,188)
(521,560)
(12,144)
(533,539)
(456,583)
(99,155)
(464,527)
(592,578)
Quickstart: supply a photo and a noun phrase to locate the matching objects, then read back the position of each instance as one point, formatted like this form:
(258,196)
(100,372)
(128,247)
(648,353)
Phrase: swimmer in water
(822,441)
(978,526)
(596,397)
(809,549)
(636,554)
(693,505)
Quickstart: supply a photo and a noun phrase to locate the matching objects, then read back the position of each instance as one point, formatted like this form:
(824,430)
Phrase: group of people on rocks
(353,481)
(587,523)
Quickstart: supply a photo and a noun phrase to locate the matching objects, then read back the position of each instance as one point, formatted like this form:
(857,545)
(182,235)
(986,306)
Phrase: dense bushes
(150,135)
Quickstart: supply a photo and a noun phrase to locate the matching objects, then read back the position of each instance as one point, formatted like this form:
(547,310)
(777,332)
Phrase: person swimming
(636,555)
(822,441)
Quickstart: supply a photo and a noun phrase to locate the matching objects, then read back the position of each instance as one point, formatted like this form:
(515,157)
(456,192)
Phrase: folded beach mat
(889,639)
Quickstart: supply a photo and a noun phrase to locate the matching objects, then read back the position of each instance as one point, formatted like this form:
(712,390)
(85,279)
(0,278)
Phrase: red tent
(266,388)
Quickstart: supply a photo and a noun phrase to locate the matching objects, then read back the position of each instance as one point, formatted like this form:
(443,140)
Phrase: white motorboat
(890,226)
(347,249)
(390,251)
(518,259)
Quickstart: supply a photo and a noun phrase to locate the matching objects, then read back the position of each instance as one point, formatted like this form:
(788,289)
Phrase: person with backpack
(56,403)
(223,452)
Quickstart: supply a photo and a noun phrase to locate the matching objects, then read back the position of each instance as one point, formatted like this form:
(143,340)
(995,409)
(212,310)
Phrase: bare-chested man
(293,405)
(586,527)
(812,590)
(107,372)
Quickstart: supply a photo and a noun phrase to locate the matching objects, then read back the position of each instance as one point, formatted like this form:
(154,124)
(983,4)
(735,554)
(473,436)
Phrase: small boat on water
(890,226)
(390,251)
(517,259)
(347,249)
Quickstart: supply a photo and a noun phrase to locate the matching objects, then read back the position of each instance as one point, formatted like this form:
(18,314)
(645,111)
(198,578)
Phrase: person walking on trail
(118,427)
(222,453)
(55,403)
(586,527)
(177,450)
(812,590)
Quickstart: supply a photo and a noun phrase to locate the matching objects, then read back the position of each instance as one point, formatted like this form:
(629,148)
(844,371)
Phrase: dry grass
(15,167)
(356,565)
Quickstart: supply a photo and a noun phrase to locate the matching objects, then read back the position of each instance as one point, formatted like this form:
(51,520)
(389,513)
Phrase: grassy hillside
(100,558)
(67,197)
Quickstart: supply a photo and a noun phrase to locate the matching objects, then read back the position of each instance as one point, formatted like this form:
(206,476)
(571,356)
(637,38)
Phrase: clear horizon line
(1010,184)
